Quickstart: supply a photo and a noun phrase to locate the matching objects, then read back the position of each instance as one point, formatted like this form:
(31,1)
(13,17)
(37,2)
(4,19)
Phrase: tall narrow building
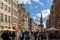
(20,16)
(41,26)
(21,12)
(41,21)
(23,18)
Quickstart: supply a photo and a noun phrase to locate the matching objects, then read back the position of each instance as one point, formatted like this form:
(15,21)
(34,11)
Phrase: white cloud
(36,0)
(41,3)
(33,7)
(34,17)
(44,24)
(45,14)
(25,1)
(29,1)
(19,1)
(38,15)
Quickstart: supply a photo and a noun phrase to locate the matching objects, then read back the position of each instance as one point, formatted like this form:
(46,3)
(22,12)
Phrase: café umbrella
(52,29)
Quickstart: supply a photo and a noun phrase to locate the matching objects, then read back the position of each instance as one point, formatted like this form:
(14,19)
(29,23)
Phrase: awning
(52,29)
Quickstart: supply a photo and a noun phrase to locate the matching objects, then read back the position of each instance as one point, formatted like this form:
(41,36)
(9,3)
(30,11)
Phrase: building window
(15,13)
(1,17)
(5,7)
(14,3)
(6,0)
(5,26)
(1,5)
(9,27)
(1,27)
(8,9)
(5,18)
(9,19)
(14,20)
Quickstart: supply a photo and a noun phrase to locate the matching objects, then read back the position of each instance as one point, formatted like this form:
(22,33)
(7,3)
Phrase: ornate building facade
(8,14)
(20,16)
(23,18)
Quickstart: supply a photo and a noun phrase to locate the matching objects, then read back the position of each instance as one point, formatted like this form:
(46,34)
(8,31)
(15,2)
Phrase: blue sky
(36,7)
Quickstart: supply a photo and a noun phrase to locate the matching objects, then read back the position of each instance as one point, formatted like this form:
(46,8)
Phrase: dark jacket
(27,37)
(5,36)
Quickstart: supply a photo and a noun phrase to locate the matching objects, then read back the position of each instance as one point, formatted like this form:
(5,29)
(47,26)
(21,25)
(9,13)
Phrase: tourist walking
(35,35)
(27,36)
(21,35)
(13,35)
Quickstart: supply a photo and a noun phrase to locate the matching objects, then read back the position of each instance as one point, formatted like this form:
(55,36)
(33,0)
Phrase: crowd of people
(8,35)
(30,35)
